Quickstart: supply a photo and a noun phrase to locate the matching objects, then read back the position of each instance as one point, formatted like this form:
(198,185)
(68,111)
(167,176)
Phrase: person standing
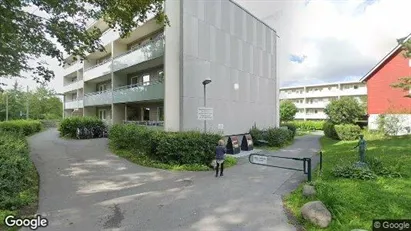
(220,157)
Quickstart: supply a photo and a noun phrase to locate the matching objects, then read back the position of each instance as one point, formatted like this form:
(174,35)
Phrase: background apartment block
(154,76)
(311,100)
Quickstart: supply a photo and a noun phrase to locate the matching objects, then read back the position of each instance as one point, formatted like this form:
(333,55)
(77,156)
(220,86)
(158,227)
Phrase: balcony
(323,93)
(75,104)
(98,98)
(150,124)
(73,86)
(146,52)
(98,70)
(294,95)
(316,105)
(138,92)
(299,116)
(352,91)
(109,36)
(316,116)
(74,67)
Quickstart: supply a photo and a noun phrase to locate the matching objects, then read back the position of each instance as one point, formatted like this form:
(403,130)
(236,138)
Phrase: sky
(321,40)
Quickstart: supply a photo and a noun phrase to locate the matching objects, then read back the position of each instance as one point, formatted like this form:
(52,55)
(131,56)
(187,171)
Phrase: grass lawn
(143,160)
(355,203)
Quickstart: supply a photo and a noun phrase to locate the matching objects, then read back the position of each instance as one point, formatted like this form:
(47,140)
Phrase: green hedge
(68,127)
(291,127)
(18,176)
(26,127)
(329,130)
(276,137)
(308,125)
(167,147)
(348,131)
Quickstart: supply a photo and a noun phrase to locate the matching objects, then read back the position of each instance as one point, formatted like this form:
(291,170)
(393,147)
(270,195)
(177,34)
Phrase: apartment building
(155,76)
(311,100)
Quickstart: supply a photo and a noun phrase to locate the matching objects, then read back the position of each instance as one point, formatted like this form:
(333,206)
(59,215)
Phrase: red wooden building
(382,98)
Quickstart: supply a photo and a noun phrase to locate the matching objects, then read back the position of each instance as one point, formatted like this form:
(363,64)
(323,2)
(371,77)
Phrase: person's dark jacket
(219,152)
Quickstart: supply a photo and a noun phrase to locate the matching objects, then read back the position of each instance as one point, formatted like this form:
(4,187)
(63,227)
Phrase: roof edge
(395,49)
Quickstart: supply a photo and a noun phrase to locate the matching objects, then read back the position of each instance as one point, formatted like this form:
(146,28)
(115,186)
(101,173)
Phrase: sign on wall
(205,113)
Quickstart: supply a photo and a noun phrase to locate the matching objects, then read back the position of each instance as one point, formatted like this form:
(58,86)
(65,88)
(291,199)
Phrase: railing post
(321,160)
(309,169)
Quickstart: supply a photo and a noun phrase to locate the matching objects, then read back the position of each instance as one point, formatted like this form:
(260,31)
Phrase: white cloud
(339,38)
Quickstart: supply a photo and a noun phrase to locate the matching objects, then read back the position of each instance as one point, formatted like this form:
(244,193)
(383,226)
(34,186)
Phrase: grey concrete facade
(221,41)
(214,39)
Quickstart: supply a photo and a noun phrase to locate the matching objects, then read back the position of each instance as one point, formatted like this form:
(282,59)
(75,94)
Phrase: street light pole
(205,82)
(205,105)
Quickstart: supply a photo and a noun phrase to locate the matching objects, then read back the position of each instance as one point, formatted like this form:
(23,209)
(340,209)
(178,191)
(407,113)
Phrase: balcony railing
(150,124)
(98,98)
(139,92)
(73,104)
(71,86)
(139,54)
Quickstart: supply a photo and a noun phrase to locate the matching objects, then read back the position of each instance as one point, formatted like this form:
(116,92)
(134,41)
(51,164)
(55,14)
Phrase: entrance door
(102,114)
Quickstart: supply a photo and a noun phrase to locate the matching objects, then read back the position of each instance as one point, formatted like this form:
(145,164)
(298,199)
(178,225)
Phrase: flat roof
(319,85)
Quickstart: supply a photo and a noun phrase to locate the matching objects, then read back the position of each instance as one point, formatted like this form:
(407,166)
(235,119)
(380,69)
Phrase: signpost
(259,159)
(205,113)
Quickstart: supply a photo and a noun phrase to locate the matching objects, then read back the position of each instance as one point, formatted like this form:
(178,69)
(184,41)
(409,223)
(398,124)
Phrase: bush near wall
(347,131)
(26,127)
(18,176)
(68,127)
(176,148)
(329,130)
(276,137)
(309,125)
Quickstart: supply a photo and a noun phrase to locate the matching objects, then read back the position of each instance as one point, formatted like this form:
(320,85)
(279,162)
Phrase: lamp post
(205,82)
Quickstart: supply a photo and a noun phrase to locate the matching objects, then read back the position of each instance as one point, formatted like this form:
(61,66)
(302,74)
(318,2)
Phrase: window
(315,111)
(146,80)
(74,96)
(161,76)
(355,87)
(102,87)
(102,114)
(134,80)
(160,114)
(74,79)
(146,115)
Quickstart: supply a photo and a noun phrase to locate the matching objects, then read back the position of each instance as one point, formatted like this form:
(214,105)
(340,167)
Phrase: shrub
(167,147)
(278,137)
(346,110)
(26,127)
(377,166)
(348,131)
(352,172)
(287,110)
(329,130)
(256,134)
(308,125)
(389,124)
(17,173)
(292,128)
(68,127)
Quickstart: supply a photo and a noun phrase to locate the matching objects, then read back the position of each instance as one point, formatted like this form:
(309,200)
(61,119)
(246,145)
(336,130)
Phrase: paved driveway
(85,187)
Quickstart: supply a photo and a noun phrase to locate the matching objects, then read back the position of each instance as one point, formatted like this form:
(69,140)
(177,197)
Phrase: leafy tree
(26,35)
(346,110)
(404,83)
(43,104)
(287,110)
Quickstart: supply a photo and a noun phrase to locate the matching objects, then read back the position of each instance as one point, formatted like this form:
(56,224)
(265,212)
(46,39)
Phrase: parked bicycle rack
(261,159)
